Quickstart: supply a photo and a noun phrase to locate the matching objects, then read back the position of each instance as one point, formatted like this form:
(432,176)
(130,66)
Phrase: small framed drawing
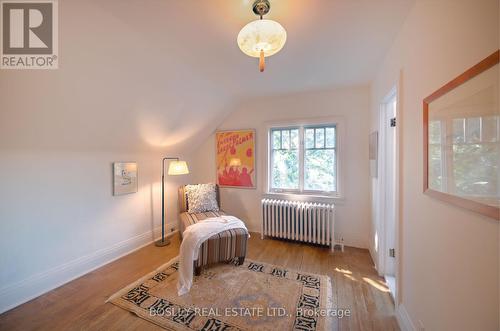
(124,178)
(373,154)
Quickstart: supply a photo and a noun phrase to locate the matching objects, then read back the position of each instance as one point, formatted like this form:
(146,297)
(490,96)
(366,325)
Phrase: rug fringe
(329,304)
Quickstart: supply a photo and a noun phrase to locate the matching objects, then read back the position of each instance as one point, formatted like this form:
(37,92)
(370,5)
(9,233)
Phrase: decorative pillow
(201,198)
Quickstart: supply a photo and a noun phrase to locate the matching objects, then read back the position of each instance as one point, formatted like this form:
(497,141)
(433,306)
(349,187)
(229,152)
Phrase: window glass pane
(319,170)
(475,169)
(435,167)
(320,138)
(434,132)
(276,139)
(285,139)
(435,154)
(309,138)
(458,130)
(330,137)
(294,143)
(285,169)
(473,129)
(489,131)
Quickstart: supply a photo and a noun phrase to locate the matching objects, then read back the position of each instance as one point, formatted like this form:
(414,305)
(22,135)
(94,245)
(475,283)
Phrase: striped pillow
(201,198)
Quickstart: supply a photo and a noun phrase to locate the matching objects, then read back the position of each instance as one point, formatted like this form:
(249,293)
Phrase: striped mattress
(221,247)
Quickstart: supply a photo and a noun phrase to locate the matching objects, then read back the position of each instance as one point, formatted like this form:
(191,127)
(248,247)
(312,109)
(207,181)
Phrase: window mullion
(271,161)
(301,158)
(324,138)
(314,134)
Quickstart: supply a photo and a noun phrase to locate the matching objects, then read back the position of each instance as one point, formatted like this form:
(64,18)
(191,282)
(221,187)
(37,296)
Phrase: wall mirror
(462,140)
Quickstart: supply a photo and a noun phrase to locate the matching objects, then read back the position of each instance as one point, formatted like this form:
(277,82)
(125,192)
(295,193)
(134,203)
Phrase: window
(436,159)
(465,150)
(285,159)
(475,154)
(303,159)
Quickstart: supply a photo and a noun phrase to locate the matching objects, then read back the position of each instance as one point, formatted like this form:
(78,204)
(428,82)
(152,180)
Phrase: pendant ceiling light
(261,37)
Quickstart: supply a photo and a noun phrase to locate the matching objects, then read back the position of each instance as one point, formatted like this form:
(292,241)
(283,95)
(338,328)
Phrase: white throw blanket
(193,237)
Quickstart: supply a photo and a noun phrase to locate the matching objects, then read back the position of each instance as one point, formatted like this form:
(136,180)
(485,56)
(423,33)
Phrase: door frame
(383,249)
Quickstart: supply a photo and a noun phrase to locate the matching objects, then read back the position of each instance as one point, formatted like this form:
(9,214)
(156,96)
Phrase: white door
(389,177)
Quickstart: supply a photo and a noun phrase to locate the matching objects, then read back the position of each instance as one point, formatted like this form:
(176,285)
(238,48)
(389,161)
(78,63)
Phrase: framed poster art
(461,123)
(124,178)
(235,158)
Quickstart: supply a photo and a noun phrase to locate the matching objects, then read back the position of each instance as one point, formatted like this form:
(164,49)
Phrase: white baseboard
(29,288)
(404,320)
(349,243)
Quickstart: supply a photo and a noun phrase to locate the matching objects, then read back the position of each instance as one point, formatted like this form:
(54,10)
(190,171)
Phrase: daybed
(223,247)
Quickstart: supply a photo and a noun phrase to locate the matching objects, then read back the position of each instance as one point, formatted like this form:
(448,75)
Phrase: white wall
(60,131)
(351,104)
(60,220)
(450,257)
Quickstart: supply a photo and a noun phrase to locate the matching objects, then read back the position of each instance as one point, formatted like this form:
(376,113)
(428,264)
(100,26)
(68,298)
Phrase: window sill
(305,197)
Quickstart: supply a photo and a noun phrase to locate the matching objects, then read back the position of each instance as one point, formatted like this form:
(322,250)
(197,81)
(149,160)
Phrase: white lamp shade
(178,168)
(235,162)
(261,35)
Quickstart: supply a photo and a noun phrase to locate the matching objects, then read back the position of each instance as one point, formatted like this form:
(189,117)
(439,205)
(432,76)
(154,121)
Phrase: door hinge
(393,122)
(392,252)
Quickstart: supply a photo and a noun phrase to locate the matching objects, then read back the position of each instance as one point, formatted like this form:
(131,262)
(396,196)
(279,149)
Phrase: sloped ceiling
(330,42)
(157,74)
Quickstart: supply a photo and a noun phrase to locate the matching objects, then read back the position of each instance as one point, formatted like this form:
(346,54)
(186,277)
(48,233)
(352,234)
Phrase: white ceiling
(163,74)
(330,43)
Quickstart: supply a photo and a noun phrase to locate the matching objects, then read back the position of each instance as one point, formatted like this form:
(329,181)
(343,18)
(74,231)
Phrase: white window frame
(301,124)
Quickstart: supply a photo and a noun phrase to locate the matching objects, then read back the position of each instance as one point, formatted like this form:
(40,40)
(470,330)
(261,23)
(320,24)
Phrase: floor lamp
(176,167)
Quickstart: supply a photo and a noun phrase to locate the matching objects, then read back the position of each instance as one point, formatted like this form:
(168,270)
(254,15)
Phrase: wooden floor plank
(80,304)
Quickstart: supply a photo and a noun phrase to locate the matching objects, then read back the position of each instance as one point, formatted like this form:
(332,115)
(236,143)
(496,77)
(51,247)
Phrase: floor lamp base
(161,243)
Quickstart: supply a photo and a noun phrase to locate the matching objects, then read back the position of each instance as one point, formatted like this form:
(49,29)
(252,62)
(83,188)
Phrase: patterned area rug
(253,296)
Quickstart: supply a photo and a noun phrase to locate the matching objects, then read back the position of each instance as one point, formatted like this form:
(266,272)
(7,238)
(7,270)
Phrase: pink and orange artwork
(235,158)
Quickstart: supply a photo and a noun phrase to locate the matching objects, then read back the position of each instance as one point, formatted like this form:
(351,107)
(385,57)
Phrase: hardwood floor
(79,305)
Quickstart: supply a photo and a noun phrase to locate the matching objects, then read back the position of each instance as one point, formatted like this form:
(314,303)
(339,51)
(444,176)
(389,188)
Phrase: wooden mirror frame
(490,211)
